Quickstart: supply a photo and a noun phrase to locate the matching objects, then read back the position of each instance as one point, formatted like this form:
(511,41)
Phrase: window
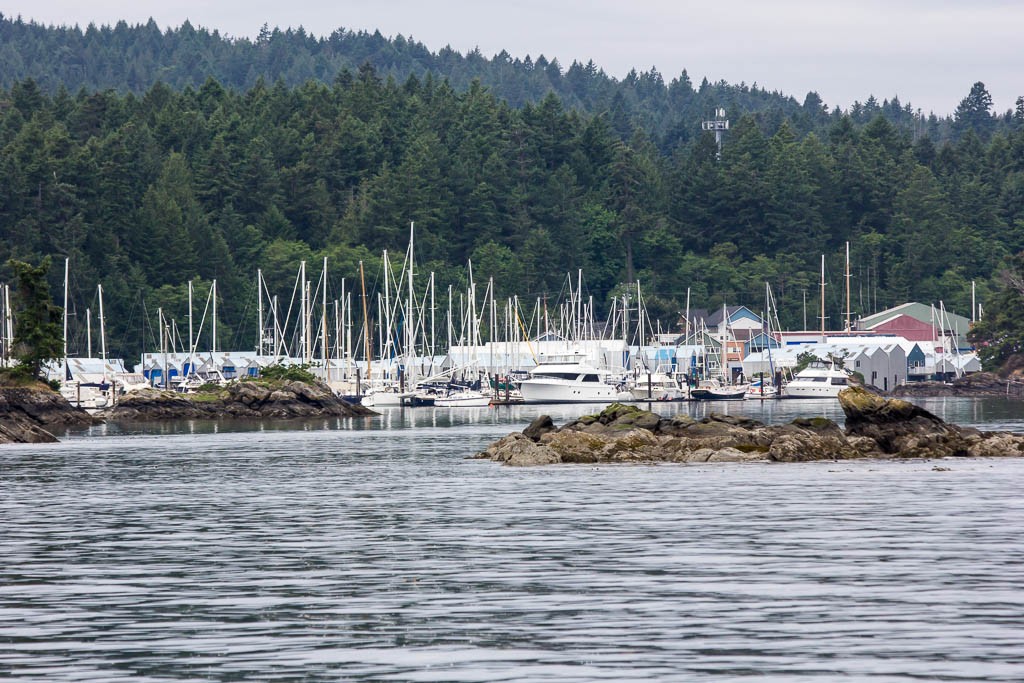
(556,375)
(591,378)
(839,381)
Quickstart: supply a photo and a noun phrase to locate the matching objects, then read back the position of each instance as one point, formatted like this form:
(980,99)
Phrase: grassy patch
(15,378)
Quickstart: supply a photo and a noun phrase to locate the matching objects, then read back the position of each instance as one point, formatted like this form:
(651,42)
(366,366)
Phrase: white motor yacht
(818,380)
(570,379)
(655,386)
(383,396)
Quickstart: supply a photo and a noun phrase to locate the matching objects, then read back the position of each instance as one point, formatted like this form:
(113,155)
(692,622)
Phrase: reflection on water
(984,413)
(373,550)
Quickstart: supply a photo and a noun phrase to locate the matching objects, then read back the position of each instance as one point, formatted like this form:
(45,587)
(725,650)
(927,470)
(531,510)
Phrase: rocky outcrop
(978,384)
(247,399)
(875,427)
(26,413)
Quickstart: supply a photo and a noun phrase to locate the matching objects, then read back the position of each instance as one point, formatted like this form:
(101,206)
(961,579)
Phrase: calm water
(372,550)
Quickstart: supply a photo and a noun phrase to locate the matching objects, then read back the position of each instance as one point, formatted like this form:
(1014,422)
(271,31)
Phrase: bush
(290,373)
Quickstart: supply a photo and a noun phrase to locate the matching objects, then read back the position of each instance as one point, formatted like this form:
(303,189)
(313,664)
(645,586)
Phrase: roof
(921,312)
(713,318)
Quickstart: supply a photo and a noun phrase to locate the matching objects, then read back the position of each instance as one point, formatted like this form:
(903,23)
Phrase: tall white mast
(66,272)
(687,338)
(386,318)
(88,333)
(302,311)
(277,330)
(579,304)
(259,308)
(848,324)
(432,312)
(323,324)
(823,298)
(163,344)
(343,352)
(974,304)
(8,330)
(103,325)
(190,343)
(449,318)
(213,295)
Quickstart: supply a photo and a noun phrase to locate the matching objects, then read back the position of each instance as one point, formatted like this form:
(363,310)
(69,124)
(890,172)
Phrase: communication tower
(719,124)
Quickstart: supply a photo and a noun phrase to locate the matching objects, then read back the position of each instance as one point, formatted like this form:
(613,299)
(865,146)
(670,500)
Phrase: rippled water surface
(373,550)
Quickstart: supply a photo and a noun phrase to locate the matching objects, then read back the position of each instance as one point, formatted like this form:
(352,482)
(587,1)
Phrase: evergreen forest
(150,159)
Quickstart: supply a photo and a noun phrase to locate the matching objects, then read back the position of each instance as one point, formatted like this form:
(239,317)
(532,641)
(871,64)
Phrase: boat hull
(543,391)
(718,394)
(808,390)
(463,401)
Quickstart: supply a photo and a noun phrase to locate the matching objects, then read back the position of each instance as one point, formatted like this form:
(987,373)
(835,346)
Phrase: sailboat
(716,387)
(763,387)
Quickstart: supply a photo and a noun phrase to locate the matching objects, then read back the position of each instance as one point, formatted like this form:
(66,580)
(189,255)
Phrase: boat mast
(190,345)
(366,324)
(259,309)
(433,312)
(410,327)
(848,326)
(88,333)
(66,272)
(277,330)
(163,343)
(337,335)
(103,326)
(213,295)
(974,305)
(822,298)
(8,330)
(323,324)
(302,313)
(687,337)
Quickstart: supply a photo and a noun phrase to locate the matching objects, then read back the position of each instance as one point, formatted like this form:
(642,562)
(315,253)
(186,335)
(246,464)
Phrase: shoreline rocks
(25,412)
(278,399)
(876,427)
(979,384)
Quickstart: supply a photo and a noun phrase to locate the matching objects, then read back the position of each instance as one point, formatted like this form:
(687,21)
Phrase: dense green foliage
(146,191)
(1000,335)
(288,373)
(128,58)
(38,337)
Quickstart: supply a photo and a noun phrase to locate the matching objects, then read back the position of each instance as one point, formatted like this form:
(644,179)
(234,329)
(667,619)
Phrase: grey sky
(926,52)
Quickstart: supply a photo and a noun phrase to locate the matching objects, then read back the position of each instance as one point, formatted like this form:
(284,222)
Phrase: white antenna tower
(719,124)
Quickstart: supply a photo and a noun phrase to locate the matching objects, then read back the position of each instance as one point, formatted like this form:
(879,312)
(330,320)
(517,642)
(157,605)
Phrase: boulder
(899,427)
(245,399)
(539,427)
(26,412)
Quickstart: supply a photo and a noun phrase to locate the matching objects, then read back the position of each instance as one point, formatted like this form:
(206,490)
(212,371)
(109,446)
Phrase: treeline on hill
(128,58)
(145,193)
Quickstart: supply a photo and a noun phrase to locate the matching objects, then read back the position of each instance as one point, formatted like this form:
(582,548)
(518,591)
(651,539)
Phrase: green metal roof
(921,312)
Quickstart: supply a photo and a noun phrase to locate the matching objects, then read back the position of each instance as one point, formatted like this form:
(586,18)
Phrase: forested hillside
(128,58)
(145,191)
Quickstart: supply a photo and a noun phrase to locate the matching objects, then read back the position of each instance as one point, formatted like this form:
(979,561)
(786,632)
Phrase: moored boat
(818,380)
(570,379)
(713,389)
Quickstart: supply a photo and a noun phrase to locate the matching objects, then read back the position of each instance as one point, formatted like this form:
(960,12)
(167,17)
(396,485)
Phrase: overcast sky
(926,52)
